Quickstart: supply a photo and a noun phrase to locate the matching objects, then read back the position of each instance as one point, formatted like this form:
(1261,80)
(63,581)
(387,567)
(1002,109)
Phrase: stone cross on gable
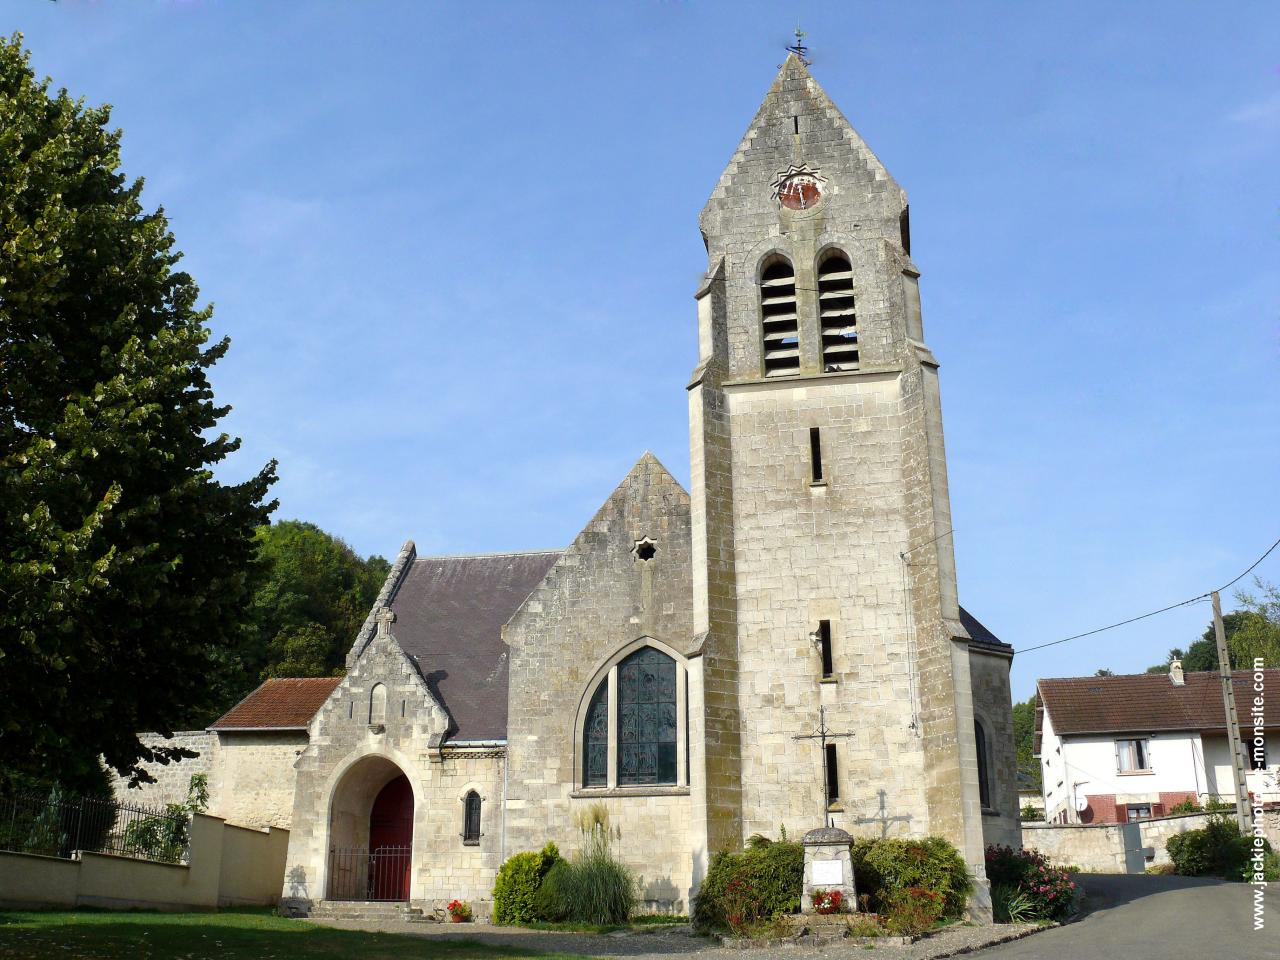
(385,617)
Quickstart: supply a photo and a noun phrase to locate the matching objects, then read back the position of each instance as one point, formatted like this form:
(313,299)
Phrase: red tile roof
(1149,701)
(287,703)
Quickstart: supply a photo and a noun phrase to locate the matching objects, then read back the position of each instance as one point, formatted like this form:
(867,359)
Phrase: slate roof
(980,635)
(1149,701)
(449,617)
(286,703)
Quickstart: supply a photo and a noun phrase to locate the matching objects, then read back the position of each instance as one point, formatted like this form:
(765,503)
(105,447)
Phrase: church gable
(627,574)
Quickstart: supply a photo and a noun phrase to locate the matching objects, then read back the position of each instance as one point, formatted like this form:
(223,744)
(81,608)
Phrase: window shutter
(779,320)
(838,315)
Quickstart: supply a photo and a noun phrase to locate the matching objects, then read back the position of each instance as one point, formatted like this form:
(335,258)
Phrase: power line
(1172,606)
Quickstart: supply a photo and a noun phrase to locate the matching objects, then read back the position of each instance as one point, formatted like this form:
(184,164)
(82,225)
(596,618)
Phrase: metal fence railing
(55,826)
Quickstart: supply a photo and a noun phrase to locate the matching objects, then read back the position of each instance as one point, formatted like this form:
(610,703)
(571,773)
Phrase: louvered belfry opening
(779,319)
(838,315)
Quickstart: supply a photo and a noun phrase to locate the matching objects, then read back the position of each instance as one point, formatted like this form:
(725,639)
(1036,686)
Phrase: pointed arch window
(837,313)
(634,729)
(779,320)
(984,772)
(471,818)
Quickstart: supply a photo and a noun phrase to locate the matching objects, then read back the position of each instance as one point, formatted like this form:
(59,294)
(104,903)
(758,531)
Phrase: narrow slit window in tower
(795,124)
(815,453)
(833,775)
(779,321)
(824,642)
(904,229)
(836,312)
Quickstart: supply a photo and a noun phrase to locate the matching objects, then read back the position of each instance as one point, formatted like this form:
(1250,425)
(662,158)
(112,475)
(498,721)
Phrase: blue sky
(455,247)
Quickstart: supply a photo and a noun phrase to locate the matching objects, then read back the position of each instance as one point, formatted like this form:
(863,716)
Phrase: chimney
(1175,673)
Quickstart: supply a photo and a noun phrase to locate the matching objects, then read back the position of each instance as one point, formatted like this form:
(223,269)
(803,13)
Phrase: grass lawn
(229,935)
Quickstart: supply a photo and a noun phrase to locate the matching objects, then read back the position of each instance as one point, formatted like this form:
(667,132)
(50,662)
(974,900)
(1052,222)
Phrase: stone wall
(597,604)
(993,707)
(252,779)
(1100,848)
(173,779)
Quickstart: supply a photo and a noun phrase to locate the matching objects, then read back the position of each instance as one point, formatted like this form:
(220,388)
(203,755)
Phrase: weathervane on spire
(799,48)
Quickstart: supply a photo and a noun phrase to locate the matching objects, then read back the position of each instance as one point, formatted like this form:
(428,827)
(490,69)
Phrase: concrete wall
(229,866)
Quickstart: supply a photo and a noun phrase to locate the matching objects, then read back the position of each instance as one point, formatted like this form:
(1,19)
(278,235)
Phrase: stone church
(781,645)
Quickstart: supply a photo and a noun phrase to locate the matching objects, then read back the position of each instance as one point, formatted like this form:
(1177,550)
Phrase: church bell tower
(824,575)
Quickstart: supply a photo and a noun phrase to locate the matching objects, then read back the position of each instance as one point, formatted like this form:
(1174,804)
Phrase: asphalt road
(1170,918)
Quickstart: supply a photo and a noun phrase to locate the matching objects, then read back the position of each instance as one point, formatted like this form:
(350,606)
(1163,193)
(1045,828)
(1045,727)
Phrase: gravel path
(678,943)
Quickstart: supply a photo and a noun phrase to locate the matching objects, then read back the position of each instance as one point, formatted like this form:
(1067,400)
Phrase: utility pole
(1244,815)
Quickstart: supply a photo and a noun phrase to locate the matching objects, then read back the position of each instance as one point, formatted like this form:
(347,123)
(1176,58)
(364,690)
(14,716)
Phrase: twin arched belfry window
(638,709)
(780,316)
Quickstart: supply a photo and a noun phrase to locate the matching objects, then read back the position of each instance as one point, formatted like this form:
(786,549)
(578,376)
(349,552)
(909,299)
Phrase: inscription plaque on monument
(828,871)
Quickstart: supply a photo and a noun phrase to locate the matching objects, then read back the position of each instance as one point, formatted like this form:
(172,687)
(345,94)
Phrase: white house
(1114,749)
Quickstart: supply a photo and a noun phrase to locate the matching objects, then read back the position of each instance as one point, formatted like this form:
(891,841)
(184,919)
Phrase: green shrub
(1186,806)
(758,884)
(883,868)
(1218,849)
(1031,814)
(551,900)
(914,910)
(516,889)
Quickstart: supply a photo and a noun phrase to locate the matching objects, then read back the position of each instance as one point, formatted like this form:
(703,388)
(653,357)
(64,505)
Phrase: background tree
(1257,634)
(126,567)
(314,594)
(1024,732)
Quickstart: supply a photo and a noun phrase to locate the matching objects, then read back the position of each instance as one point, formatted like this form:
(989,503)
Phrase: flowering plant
(459,911)
(827,901)
(1049,890)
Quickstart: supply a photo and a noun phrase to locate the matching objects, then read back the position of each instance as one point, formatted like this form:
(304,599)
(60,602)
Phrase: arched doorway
(371,833)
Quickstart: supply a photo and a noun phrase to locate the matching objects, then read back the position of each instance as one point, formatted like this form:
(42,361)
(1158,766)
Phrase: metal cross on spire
(799,48)
(823,734)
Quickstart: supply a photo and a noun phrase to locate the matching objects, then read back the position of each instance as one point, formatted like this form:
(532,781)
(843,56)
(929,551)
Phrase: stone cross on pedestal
(384,618)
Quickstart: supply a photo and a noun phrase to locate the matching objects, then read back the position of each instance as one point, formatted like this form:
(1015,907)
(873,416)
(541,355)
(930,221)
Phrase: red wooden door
(390,841)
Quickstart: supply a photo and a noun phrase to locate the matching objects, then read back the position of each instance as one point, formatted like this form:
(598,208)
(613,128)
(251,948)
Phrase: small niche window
(378,704)
(779,320)
(833,775)
(1133,756)
(645,549)
(984,777)
(837,314)
(824,647)
(815,455)
(471,818)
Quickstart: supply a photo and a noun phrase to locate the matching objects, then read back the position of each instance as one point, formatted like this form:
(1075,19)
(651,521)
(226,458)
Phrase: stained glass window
(595,737)
(647,718)
(471,818)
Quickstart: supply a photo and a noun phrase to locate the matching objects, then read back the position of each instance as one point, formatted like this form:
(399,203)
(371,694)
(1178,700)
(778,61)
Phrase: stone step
(365,910)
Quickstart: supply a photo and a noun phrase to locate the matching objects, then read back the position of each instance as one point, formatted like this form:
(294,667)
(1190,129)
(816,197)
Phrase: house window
(837,313)
(634,728)
(778,319)
(471,818)
(1133,756)
(1138,811)
(984,772)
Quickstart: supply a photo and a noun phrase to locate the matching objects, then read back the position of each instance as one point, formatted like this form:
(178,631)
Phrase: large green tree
(1252,630)
(126,570)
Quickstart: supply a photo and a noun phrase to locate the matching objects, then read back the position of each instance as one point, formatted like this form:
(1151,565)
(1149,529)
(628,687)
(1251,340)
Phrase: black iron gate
(357,873)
